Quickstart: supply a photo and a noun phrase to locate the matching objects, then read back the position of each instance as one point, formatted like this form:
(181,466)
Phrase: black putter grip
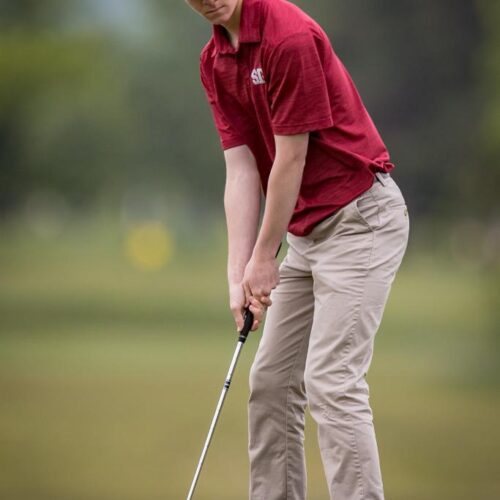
(247,325)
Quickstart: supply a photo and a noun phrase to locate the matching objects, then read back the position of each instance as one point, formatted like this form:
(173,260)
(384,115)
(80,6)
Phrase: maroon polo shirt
(286,79)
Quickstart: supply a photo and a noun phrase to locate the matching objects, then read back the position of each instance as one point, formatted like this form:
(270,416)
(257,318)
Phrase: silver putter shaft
(241,340)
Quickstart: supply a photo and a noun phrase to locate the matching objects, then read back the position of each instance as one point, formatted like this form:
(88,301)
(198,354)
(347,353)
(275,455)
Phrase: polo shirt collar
(250,28)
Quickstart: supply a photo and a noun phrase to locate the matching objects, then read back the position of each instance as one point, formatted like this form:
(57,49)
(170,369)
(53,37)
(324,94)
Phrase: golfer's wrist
(236,270)
(264,252)
(235,278)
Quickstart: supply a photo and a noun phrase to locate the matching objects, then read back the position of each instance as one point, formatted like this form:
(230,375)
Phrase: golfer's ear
(292,148)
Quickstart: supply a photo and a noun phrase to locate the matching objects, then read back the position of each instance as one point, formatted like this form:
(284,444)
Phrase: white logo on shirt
(258,76)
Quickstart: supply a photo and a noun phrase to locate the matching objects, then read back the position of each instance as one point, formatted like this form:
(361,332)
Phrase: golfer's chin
(220,16)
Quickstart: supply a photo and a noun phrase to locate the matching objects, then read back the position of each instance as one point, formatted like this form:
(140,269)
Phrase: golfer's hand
(238,304)
(260,278)
(259,310)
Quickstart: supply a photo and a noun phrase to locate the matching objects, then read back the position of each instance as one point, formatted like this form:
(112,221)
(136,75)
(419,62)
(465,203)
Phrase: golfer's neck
(233,25)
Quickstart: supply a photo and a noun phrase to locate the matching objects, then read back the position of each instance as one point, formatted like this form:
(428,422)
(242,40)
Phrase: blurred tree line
(97,98)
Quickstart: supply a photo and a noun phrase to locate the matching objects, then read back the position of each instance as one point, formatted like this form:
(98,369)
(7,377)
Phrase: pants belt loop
(381,177)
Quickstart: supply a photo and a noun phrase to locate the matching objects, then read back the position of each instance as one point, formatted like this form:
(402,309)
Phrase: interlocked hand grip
(247,325)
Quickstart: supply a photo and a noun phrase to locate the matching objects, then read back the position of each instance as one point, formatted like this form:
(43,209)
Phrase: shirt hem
(304,230)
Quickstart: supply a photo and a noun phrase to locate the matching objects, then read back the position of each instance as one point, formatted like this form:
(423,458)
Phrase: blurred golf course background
(115,334)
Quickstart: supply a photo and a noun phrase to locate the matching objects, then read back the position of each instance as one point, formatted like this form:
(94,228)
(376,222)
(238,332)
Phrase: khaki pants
(317,346)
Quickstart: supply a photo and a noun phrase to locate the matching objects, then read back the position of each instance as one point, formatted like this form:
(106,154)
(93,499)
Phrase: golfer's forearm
(281,198)
(242,204)
(242,208)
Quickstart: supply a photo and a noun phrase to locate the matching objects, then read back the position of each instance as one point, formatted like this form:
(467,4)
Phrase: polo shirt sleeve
(297,88)
(229,138)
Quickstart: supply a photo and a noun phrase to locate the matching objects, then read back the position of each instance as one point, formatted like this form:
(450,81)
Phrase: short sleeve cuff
(302,128)
(231,142)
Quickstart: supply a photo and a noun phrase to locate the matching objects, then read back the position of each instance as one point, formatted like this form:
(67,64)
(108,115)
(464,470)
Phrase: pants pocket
(367,210)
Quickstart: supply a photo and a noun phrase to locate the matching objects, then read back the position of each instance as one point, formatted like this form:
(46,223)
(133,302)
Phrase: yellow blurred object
(149,246)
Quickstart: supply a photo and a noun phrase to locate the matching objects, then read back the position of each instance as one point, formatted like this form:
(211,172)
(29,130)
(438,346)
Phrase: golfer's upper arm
(291,149)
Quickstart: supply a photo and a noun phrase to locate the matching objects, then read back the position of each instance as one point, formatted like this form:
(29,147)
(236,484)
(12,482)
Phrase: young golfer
(292,123)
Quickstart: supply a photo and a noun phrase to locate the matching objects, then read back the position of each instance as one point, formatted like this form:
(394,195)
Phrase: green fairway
(109,376)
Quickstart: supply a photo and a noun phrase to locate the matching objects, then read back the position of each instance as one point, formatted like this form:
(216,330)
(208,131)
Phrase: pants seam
(286,411)
(344,366)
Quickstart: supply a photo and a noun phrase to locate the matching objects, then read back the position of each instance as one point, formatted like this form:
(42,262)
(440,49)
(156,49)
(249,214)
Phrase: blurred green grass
(109,375)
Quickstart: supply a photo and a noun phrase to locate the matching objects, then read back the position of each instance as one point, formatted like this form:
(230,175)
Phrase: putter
(241,340)
(247,325)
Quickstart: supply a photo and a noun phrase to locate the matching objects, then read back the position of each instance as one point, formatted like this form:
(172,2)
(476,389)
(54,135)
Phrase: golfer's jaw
(224,12)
